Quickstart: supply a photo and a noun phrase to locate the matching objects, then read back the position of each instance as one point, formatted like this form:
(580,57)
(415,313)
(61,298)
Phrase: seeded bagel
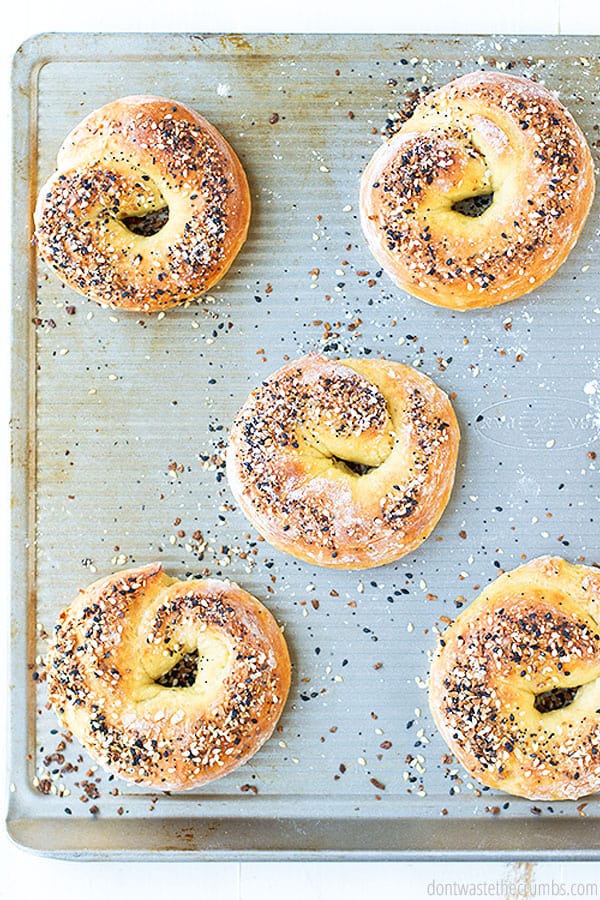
(111,682)
(481,195)
(515,682)
(148,208)
(346,463)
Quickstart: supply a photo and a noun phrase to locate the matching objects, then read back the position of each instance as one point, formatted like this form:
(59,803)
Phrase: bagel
(347,464)
(486,136)
(515,683)
(108,671)
(148,208)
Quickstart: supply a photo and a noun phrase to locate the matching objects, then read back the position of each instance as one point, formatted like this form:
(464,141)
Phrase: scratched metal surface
(119,423)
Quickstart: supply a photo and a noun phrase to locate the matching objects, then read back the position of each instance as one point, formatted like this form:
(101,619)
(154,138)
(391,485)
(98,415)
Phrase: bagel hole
(557,698)
(183,673)
(357,468)
(473,207)
(149,224)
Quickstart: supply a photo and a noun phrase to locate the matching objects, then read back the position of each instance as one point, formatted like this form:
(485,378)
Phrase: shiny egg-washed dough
(297,446)
(120,637)
(132,157)
(485,133)
(531,631)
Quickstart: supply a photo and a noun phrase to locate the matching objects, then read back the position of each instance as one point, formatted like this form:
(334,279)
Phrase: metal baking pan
(120,421)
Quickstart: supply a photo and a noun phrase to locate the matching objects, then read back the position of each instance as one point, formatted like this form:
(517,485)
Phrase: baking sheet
(120,421)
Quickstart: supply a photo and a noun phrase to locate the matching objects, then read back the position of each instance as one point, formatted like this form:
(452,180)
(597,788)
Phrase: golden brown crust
(532,631)
(131,157)
(294,443)
(120,637)
(483,133)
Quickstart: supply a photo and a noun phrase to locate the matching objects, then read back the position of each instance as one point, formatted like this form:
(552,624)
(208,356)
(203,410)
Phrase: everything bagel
(116,644)
(484,135)
(515,683)
(347,464)
(138,160)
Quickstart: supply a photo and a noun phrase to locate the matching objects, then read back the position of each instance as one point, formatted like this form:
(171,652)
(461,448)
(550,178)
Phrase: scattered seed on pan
(251,788)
